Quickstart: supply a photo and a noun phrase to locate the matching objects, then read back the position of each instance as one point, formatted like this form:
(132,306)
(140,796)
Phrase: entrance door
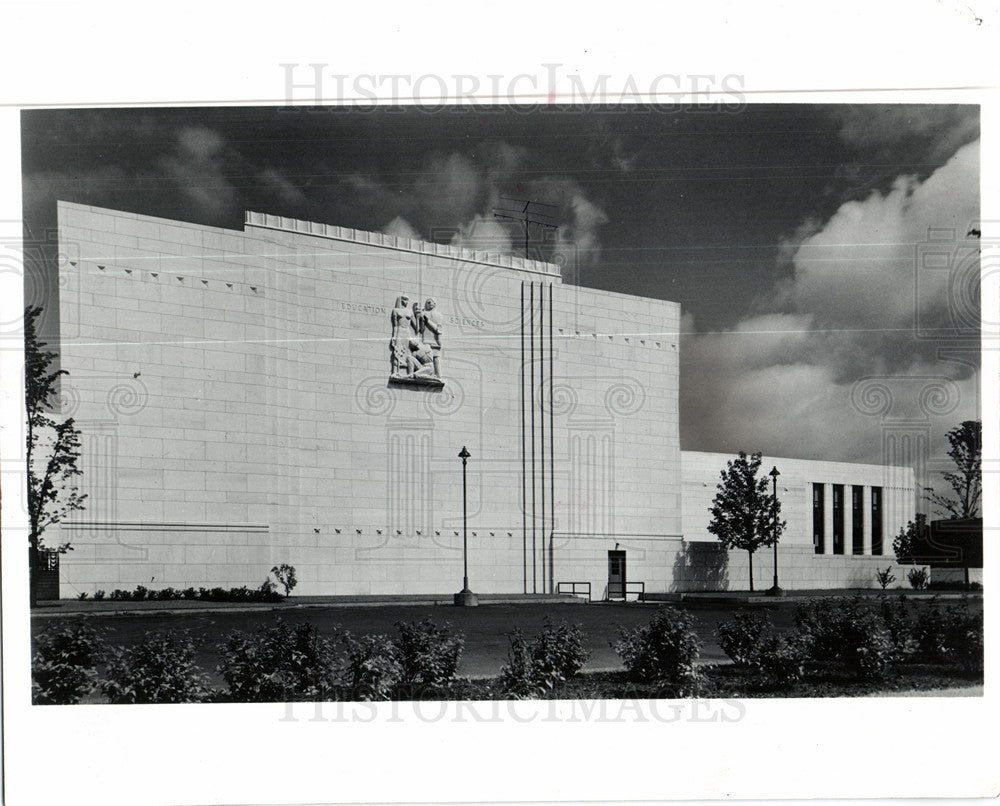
(616,574)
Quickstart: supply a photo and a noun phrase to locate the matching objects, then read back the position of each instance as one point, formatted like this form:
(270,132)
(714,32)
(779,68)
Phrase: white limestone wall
(617,417)
(798,564)
(232,390)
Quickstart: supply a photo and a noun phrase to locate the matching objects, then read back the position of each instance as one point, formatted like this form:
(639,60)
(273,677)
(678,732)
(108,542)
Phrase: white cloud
(454,194)
(484,234)
(401,228)
(861,270)
(784,382)
(197,167)
(203,166)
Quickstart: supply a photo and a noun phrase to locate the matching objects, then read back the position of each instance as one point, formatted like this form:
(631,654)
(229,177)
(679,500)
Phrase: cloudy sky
(794,237)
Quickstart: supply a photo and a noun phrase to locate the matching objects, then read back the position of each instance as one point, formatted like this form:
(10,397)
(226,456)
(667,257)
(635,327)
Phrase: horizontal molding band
(619,536)
(399,243)
(167,526)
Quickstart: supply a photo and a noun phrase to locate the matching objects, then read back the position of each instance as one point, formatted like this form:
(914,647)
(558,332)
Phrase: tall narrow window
(877,521)
(819,537)
(857,519)
(838,518)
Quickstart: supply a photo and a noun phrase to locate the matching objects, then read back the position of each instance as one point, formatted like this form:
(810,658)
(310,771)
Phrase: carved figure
(403,329)
(411,358)
(431,327)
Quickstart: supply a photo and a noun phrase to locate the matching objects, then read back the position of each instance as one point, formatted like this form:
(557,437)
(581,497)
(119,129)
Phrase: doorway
(616,575)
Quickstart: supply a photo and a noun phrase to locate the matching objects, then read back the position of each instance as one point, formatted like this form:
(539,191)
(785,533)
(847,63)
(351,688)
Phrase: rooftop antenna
(522,216)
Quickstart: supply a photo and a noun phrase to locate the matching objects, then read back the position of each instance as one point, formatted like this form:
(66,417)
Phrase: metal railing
(617,590)
(573,591)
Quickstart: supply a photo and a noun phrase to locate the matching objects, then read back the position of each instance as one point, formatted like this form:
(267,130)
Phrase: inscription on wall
(359,307)
(382,310)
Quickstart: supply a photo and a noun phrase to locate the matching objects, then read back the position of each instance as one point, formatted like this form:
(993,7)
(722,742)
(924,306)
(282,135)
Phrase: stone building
(298,392)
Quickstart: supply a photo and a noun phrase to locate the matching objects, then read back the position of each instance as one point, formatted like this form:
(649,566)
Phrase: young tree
(53,445)
(966,452)
(911,540)
(744,512)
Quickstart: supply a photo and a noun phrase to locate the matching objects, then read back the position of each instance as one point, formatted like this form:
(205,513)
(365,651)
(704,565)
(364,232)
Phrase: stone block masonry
(242,378)
(243,403)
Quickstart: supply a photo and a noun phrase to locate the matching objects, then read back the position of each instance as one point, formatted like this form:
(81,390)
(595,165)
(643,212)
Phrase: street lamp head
(464,454)
(774,473)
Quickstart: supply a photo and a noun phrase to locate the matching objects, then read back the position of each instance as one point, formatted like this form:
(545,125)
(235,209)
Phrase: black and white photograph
(530,405)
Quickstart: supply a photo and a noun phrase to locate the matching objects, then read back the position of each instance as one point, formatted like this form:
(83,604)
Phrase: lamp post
(465,597)
(774,590)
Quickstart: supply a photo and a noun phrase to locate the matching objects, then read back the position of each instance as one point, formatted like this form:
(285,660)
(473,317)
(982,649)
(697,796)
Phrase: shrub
(664,652)
(279,663)
(918,578)
(818,624)
(558,653)
(885,578)
(161,669)
(555,655)
(968,647)
(429,654)
(82,596)
(265,593)
(845,632)
(898,622)
(740,638)
(750,641)
(63,666)
(950,634)
(869,648)
(516,677)
(781,658)
(954,585)
(373,670)
(99,596)
(285,574)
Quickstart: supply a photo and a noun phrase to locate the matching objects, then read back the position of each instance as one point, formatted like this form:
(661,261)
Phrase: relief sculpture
(415,346)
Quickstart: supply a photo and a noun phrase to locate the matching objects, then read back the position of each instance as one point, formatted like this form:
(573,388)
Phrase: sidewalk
(713,599)
(88,607)
(761,598)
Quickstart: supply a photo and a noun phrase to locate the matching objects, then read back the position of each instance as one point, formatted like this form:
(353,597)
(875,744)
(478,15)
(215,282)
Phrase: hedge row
(284,663)
(854,637)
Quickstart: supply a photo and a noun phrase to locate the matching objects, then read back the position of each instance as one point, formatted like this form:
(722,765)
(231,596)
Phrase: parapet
(285,224)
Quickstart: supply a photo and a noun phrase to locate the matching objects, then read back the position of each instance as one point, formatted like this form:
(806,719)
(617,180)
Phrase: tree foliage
(745,514)
(966,481)
(907,543)
(53,445)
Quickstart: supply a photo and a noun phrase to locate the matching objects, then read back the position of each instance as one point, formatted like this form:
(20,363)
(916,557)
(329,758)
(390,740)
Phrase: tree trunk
(32,575)
(750,554)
